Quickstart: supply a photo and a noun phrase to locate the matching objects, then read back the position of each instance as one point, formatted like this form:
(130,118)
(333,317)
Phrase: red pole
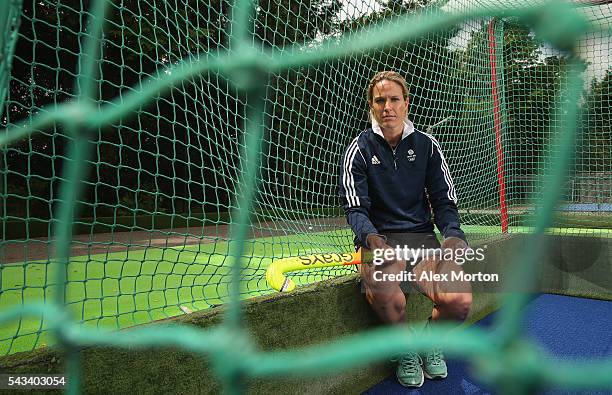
(497,124)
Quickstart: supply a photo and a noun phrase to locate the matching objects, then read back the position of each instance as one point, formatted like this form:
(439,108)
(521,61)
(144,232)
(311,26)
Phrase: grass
(122,289)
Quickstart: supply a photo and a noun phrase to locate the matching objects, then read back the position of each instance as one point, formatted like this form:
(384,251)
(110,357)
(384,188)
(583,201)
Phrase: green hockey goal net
(152,146)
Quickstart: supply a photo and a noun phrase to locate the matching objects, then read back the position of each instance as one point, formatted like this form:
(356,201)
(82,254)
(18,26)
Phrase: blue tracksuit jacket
(386,190)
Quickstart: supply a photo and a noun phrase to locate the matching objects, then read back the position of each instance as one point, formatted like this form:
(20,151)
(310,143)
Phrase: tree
(532,85)
(595,143)
(177,153)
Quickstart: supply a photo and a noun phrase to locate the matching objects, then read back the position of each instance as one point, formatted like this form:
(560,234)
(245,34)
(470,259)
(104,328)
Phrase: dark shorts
(409,240)
(412,240)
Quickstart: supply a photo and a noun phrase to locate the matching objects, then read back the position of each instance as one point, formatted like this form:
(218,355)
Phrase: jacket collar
(408,129)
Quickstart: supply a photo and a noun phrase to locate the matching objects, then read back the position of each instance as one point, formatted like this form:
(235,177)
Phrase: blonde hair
(390,76)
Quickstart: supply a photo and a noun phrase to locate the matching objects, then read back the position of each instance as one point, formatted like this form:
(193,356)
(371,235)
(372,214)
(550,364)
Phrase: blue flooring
(566,327)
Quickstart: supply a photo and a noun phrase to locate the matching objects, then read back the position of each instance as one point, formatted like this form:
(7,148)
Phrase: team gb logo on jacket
(411,156)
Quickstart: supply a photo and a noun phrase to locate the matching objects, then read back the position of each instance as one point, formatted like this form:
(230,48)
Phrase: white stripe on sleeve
(452,193)
(348,179)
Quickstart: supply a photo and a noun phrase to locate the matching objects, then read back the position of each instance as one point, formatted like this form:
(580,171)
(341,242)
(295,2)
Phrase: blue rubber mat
(566,327)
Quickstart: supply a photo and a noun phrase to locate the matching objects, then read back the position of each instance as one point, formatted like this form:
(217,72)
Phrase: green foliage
(157,154)
(284,22)
(595,144)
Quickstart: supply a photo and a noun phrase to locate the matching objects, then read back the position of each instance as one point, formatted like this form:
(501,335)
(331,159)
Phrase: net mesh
(149,115)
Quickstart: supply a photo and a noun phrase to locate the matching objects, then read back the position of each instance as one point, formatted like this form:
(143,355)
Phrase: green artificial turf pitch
(136,286)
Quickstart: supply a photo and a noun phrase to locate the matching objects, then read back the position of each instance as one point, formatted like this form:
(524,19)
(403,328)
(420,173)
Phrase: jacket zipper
(393,151)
